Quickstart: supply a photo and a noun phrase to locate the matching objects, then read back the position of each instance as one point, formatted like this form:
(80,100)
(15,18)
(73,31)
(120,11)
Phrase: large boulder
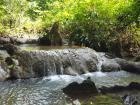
(86,88)
(62,61)
(109,64)
(53,37)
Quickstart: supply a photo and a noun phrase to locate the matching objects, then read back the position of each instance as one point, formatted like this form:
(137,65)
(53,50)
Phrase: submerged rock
(86,88)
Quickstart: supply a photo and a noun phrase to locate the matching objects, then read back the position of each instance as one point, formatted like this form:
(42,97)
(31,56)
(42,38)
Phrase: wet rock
(4,71)
(16,72)
(116,88)
(109,67)
(87,87)
(130,100)
(108,63)
(65,61)
(129,66)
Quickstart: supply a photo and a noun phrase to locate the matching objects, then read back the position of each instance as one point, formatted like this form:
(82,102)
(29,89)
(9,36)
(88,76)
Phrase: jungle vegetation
(105,25)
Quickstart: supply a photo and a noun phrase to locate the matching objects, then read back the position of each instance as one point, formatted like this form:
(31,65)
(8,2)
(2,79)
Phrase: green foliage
(93,23)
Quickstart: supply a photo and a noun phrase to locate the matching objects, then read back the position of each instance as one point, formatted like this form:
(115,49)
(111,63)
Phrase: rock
(109,67)
(137,58)
(44,40)
(87,87)
(3,54)
(15,62)
(130,100)
(62,61)
(129,66)
(31,41)
(11,49)
(4,40)
(1,47)
(4,71)
(53,37)
(16,72)
(18,40)
(108,63)
(116,88)
(25,40)
(9,61)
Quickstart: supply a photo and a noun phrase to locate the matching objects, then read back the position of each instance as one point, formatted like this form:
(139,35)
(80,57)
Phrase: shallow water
(47,90)
(29,47)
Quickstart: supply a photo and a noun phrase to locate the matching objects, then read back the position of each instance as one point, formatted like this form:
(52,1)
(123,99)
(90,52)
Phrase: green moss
(102,100)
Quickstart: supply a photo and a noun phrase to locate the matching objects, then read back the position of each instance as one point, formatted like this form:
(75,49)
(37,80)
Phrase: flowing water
(48,89)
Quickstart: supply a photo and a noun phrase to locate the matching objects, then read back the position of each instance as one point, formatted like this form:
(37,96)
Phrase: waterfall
(100,61)
(59,61)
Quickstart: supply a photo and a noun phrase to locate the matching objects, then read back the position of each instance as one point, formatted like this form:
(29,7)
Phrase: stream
(47,90)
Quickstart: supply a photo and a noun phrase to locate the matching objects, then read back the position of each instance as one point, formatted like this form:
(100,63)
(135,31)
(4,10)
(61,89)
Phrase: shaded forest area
(104,25)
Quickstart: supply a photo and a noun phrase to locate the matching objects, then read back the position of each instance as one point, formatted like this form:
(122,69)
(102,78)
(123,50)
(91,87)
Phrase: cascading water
(66,61)
(100,62)
(100,57)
